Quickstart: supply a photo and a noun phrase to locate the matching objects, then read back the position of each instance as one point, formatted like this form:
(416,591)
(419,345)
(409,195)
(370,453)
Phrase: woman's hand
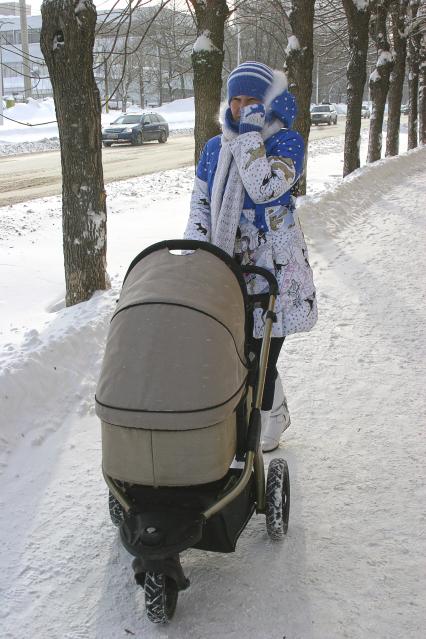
(252,118)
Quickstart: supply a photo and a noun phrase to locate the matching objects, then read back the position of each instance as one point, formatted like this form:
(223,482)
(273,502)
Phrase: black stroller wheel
(116,511)
(161,594)
(277,499)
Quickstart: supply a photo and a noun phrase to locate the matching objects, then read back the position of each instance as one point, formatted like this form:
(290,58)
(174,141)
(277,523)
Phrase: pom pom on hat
(250,78)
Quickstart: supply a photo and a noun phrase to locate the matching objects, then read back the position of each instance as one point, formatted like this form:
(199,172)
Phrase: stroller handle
(267,275)
(194,245)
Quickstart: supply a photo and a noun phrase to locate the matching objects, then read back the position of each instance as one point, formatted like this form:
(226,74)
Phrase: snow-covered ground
(353,564)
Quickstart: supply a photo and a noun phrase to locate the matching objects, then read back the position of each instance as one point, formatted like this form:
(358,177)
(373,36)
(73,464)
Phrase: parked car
(136,128)
(404,109)
(365,111)
(324,114)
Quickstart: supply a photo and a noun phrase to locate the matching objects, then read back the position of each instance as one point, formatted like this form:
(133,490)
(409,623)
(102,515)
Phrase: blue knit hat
(250,78)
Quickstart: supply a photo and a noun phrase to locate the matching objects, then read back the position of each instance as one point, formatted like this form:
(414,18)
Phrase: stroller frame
(153,559)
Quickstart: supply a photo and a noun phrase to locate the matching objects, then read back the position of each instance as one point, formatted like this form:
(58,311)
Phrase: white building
(13,9)
(154,65)
(11,57)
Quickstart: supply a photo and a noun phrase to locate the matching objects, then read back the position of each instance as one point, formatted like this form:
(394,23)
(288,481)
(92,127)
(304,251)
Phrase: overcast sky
(100,4)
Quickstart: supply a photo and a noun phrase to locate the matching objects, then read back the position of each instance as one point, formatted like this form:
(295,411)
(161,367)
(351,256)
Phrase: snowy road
(353,565)
(39,174)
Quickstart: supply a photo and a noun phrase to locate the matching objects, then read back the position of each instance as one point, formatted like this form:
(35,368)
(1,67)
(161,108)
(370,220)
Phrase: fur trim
(223,107)
(279,84)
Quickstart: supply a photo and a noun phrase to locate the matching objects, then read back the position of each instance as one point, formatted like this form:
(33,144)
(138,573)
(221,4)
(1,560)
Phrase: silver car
(323,114)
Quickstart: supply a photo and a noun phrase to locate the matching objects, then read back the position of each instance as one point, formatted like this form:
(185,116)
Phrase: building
(12,66)
(13,9)
(153,74)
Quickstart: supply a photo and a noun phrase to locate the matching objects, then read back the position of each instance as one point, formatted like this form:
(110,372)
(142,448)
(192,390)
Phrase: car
(323,114)
(404,109)
(365,111)
(136,128)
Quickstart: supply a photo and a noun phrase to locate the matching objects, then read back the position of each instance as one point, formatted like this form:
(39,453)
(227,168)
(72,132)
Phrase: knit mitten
(252,118)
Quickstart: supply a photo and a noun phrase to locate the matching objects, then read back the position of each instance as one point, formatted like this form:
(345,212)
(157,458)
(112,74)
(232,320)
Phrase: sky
(100,4)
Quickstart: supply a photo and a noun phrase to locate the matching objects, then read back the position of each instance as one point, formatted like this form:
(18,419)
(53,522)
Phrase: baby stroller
(179,399)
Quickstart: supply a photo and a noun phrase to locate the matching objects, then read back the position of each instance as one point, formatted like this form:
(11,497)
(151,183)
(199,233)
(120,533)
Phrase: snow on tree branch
(293,44)
(361,5)
(203,43)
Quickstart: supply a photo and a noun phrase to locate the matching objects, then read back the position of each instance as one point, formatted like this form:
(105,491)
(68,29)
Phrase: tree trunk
(422,81)
(67,38)
(182,85)
(398,13)
(141,87)
(160,77)
(413,79)
(356,75)
(379,79)
(207,64)
(299,64)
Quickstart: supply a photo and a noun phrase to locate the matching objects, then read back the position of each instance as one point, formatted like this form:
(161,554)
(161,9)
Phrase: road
(32,175)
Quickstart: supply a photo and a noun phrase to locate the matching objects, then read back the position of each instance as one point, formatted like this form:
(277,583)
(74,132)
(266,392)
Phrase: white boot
(279,419)
(264,420)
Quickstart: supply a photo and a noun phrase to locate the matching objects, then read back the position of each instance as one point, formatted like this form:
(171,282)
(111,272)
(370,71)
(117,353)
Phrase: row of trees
(287,33)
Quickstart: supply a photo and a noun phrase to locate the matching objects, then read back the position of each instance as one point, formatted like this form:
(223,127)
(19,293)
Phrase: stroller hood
(175,353)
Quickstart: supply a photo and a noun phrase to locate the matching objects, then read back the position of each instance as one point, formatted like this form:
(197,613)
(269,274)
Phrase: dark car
(136,128)
(323,114)
(365,111)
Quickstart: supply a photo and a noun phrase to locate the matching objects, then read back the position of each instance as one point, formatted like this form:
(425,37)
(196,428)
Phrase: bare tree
(331,51)
(413,75)
(299,63)
(67,39)
(398,16)
(421,29)
(379,79)
(207,60)
(358,16)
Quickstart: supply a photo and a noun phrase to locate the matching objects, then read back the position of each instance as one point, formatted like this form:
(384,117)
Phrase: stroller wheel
(116,511)
(277,499)
(161,594)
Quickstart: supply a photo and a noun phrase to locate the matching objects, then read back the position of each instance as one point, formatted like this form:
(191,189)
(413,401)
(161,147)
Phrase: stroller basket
(174,369)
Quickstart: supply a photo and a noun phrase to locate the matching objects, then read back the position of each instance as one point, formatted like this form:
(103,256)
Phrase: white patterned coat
(269,163)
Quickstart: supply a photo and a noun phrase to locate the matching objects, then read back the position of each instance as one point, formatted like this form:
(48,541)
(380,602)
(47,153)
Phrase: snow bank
(50,370)
(345,202)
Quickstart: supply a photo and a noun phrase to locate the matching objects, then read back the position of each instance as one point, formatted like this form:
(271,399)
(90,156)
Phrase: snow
(385,57)
(361,5)
(204,43)
(353,563)
(375,76)
(292,44)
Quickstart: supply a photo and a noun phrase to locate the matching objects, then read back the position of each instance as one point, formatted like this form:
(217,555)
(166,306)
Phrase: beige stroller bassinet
(174,371)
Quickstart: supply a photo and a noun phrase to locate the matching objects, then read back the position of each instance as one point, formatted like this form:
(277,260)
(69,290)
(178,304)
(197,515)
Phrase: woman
(242,202)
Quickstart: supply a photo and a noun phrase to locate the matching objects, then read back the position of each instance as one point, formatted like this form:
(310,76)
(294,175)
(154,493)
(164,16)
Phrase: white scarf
(228,191)
(226,201)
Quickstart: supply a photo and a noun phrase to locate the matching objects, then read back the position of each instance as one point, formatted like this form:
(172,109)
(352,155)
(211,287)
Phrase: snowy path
(353,564)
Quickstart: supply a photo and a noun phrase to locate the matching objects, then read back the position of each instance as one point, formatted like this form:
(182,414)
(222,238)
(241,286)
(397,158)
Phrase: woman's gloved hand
(252,118)
(284,108)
